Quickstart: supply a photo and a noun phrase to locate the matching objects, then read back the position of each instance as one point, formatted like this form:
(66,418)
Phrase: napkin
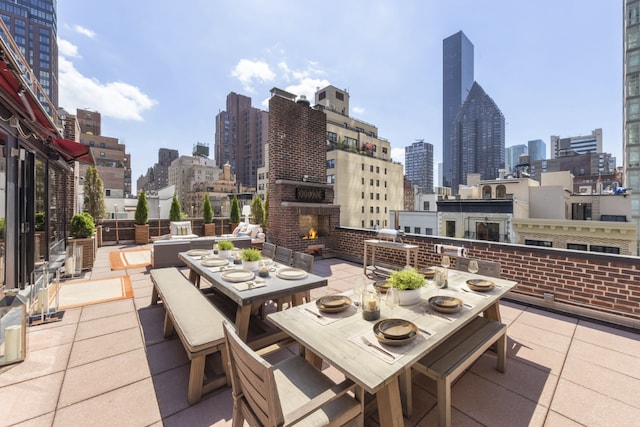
(251,284)
(394,352)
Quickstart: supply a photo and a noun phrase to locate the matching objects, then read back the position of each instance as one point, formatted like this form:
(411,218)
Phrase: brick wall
(600,286)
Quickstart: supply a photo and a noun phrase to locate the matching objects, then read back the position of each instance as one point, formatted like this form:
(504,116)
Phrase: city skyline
(157,87)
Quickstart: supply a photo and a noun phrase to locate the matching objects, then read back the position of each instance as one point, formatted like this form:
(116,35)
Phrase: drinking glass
(358,289)
(392,299)
(440,279)
(445,263)
(473,266)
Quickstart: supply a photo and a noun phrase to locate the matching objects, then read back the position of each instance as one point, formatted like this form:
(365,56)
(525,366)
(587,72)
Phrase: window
(577,247)
(370,168)
(407,229)
(331,163)
(363,194)
(581,211)
(377,209)
(428,231)
(362,223)
(370,209)
(362,209)
(102,154)
(332,136)
(425,205)
(488,231)
(605,249)
(362,181)
(377,169)
(339,96)
(377,196)
(371,181)
(486,192)
(384,150)
(331,179)
(371,196)
(416,230)
(322,95)
(450,229)
(501,192)
(362,166)
(377,183)
(542,243)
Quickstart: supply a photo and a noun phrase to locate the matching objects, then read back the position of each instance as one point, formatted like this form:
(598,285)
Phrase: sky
(160,71)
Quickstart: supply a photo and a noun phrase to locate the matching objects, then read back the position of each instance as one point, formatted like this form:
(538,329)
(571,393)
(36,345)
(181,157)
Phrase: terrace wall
(590,284)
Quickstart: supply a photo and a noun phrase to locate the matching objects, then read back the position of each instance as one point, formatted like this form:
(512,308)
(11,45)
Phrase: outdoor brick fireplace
(302,215)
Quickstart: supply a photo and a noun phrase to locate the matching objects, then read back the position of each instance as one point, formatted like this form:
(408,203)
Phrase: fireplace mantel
(308,205)
(303,183)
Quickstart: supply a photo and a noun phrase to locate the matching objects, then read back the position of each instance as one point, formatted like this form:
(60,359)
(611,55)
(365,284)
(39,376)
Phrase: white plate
(237,275)
(214,262)
(198,252)
(291,273)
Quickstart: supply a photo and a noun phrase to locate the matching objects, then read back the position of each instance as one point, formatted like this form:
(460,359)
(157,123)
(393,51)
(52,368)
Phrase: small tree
(94,195)
(257,210)
(207,212)
(234,215)
(142,209)
(175,214)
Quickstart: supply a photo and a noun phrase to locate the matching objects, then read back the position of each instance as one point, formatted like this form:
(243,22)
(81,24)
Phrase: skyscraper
(457,79)
(537,149)
(512,155)
(418,165)
(477,138)
(631,105)
(33,25)
(241,132)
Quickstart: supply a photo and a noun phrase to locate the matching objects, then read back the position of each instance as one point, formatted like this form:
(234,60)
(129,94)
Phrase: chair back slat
(283,255)
(303,261)
(252,378)
(269,250)
(486,268)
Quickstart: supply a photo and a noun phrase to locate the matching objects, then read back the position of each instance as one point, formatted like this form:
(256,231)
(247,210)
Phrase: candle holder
(370,304)
(13,328)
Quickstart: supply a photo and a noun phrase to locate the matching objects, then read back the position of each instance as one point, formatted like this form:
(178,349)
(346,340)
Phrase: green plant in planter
(225,245)
(234,214)
(39,221)
(250,254)
(257,210)
(175,213)
(207,212)
(142,209)
(82,225)
(406,279)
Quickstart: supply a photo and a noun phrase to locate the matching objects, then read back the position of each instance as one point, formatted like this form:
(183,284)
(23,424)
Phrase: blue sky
(159,71)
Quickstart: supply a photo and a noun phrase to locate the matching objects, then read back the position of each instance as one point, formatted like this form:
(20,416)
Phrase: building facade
(418,165)
(578,144)
(33,24)
(477,138)
(187,171)
(457,79)
(241,133)
(631,104)
(537,149)
(512,155)
(157,176)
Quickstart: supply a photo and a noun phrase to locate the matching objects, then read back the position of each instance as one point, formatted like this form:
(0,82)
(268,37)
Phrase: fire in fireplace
(314,226)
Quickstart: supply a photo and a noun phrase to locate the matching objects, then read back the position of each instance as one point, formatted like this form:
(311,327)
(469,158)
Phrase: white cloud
(85,31)
(117,99)
(67,49)
(248,72)
(397,154)
(358,110)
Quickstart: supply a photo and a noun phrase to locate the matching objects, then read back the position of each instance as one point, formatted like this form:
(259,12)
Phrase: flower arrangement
(251,255)
(406,279)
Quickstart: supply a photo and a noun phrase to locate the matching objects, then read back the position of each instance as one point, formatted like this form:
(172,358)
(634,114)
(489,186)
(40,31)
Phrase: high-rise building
(631,105)
(537,149)
(90,121)
(512,155)
(457,79)
(33,25)
(241,132)
(157,177)
(418,165)
(477,139)
(576,144)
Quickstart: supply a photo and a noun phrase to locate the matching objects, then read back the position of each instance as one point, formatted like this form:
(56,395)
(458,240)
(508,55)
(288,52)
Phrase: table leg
(243,315)
(194,278)
(405,392)
(493,312)
(389,405)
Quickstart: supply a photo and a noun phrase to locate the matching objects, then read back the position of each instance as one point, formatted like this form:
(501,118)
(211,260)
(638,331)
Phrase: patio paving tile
(30,399)
(92,379)
(106,325)
(106,309)
(539,336)
(97,348)
(123,405)
(556,420)
(606,336)
(166,355)
(39,339)
(171,390)
(606,357)
(37,364)
(43,420)
(552,322)
(535,355)
(591,408)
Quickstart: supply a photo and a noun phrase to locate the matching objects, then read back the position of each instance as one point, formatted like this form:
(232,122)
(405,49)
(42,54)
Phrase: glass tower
(457,79)
(537,149)
(418,165)
(33,25)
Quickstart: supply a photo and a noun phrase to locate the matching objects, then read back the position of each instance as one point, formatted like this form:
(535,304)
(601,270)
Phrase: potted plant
(251,258)
(234,214)
(81,231)
(224,248)
(142,219)
(257,210)
(175,213)
(207,217)
(408,282)
(94,199)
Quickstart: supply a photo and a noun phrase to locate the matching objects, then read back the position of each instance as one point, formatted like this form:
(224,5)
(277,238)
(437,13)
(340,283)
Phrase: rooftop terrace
(108,364)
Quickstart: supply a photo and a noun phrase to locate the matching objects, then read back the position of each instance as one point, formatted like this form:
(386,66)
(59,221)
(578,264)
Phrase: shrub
(82,225)
(142,209)
(234,215)
(175,214)
(39,221)
(225,245)
(257,210)
(406,279)
(207,212)
(94,195)
(250,254)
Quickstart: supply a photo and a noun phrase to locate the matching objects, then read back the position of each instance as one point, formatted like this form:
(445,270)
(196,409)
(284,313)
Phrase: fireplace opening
(314,226)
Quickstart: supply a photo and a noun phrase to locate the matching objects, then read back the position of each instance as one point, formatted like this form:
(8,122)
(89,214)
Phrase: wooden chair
(268,250)
(289,392)
(486,268)
(303,261)
(283,255)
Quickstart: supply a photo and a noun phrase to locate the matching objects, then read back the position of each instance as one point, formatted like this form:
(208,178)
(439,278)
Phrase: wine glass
(358,289)
(473,266)
(392,299)
(446,261)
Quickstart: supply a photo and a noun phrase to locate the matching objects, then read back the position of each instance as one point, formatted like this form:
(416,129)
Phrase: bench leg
(444,402)
(167,329)
(154,296)
(501,350)
(196,379)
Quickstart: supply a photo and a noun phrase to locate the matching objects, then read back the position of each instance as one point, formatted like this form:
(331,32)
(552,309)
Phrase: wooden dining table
(274,288)
(338,339)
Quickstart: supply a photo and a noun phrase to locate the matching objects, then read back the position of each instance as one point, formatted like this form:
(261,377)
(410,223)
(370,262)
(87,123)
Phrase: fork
(442,316)
(372,345)
(319,316)
(474,293)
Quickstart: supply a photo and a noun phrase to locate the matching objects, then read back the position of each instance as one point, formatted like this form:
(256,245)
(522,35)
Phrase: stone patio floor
(108,364)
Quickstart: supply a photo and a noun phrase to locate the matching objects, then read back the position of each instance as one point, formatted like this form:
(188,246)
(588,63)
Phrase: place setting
(290,273)
(197,253)
(444,306)
(330,308)
(389,339)
(479,287)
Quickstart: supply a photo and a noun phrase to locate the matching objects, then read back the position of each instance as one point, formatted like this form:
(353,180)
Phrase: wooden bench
(198,324)
(456,354)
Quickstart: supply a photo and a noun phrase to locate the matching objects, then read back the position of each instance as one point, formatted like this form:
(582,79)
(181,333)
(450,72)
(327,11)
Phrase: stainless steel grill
(390,234)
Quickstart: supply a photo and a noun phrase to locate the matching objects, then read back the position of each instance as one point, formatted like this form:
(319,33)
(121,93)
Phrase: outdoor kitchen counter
(410,251)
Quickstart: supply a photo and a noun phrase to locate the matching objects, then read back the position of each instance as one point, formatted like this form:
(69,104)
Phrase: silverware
(425,331)
(319,316)
(442,316)
(372,345)
(474,293)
